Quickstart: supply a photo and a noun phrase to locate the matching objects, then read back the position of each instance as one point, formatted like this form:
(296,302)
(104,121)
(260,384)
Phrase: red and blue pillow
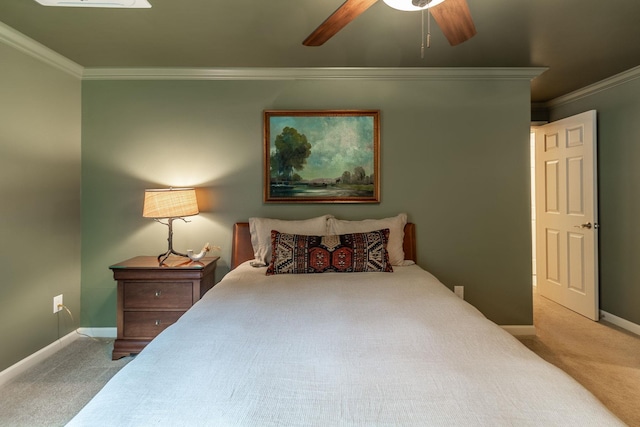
(346,253)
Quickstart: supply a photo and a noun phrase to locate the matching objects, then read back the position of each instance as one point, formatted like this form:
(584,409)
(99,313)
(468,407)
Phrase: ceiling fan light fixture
(412,5)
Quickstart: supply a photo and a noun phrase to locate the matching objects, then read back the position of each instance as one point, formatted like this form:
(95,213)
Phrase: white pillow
(260,229)
(394,224)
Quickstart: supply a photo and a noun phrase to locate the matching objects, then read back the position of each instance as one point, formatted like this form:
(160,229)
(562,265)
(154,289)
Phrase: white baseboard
(99,332)
(37,357)
(520,330)
(619,321)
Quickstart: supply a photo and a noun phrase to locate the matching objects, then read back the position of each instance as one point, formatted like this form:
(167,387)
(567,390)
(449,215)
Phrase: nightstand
(152,297)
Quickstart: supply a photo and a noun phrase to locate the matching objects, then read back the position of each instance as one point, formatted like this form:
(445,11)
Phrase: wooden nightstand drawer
(148,323)
(157,295)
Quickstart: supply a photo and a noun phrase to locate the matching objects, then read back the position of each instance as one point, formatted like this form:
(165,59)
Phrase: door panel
(575,189)
(553,256)
(553,187)
(576,264)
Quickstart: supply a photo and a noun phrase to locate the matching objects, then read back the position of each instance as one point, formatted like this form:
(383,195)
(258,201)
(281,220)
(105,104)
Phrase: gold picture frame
(321,156)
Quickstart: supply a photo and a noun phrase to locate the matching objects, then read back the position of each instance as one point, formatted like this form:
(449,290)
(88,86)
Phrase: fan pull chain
(428,37)
(422,37)
(428,28)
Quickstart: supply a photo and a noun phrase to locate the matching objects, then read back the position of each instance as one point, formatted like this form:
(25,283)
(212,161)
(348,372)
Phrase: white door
(566,213)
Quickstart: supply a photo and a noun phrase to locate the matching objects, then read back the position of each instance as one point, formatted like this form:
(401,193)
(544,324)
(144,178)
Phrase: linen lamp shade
(170,203)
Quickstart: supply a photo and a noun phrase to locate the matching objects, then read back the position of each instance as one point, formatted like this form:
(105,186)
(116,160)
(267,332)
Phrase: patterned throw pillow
(346,253)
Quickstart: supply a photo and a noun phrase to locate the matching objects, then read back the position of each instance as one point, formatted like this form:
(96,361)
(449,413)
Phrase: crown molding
(602,85)
(19,41)
(328,73)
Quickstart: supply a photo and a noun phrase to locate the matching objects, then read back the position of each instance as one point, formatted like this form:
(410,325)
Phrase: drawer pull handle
(158,293)
(158,322)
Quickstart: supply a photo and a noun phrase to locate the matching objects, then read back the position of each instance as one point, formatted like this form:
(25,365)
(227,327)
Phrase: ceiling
(581,41)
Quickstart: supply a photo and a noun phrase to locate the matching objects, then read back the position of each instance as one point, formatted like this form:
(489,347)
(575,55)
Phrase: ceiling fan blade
(346,13)
(454,19)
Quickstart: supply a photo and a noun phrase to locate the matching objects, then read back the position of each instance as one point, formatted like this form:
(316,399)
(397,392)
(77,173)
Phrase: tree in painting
(359,176)
(292,151)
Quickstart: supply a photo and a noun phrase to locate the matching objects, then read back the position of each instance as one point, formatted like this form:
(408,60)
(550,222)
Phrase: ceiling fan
(452,16)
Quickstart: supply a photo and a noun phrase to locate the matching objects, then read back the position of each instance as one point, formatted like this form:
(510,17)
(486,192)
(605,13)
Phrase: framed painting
(329,156)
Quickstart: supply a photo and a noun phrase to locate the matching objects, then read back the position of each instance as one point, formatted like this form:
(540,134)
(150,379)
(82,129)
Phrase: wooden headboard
(241,249)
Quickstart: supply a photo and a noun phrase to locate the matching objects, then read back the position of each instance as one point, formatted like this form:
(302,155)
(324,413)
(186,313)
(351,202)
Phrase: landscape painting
(322,156)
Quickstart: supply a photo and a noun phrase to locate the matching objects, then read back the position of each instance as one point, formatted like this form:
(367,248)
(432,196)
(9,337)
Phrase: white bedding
(374,349)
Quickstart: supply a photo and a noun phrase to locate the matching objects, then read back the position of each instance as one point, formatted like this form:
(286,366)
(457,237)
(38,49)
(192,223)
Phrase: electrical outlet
(459,291)
(57,303)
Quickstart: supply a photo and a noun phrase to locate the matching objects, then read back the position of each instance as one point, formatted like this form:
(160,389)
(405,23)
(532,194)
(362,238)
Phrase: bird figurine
(198,257)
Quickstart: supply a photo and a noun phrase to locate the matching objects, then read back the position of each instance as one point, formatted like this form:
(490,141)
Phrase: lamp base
(163,257)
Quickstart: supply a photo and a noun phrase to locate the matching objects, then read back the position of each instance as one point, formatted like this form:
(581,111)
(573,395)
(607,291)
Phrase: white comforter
(374,349)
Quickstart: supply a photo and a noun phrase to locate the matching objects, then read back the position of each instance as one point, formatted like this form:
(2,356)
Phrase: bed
(363,348)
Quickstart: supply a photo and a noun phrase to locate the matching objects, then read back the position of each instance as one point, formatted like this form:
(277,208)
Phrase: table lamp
(170,204)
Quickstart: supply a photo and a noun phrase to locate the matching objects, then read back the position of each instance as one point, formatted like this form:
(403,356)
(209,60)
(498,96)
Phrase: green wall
(454,156)
(618,110)
(40,208)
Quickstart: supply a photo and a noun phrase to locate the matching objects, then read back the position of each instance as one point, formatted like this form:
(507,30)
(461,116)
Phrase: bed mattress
(374,349)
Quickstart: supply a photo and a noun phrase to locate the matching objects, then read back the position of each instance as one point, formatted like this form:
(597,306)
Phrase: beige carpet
(602,357)
(52,392)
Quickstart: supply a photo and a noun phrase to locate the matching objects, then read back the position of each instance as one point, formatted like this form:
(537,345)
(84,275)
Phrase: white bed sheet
(375,349)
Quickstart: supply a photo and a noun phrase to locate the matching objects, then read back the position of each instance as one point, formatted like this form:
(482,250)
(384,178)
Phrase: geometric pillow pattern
(346,253)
